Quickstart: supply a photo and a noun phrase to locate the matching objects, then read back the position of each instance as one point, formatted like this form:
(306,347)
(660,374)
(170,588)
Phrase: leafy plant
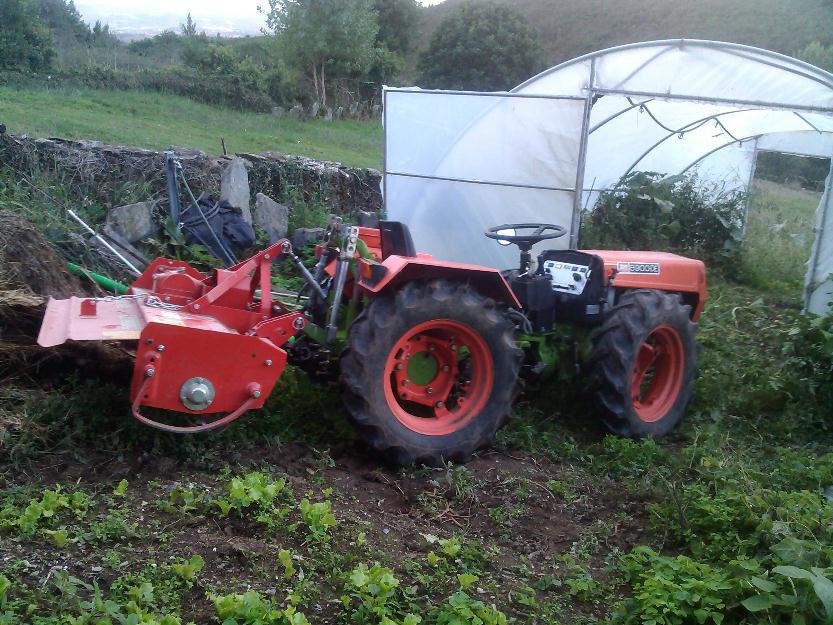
(674,591)
(250,608)
(318,517)
(256,492)
(183,499)
(461,609)
(121,489)
(790,590)
(189,569)
(285,558)
(373,597)
(46,509)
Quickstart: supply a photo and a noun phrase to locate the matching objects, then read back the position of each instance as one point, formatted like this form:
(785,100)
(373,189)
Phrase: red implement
(207,344)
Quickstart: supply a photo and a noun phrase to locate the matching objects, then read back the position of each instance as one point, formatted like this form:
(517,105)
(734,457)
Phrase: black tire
(638,315)
(385,322)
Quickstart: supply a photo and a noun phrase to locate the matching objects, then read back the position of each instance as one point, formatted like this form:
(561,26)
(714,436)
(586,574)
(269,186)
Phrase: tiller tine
(207,344)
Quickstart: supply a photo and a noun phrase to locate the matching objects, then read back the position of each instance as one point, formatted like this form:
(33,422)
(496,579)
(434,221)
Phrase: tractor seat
(396,239)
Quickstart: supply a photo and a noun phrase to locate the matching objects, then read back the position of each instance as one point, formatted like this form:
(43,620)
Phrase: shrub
(677,213)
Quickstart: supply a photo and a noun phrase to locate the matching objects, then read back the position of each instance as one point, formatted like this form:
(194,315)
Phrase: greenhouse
(542,152)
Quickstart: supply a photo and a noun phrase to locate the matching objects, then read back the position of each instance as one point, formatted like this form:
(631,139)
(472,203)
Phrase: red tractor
(429,353)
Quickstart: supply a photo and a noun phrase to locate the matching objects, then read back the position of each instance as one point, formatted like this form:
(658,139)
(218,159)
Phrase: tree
(480,46)
(322,35)
(398,25)
(818,55)
(189,28)
(25,42)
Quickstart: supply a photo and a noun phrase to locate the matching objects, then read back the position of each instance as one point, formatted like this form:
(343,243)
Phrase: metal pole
(752,171)
(813,262)
(104,242)
(384,150)
(671,97)
(175,207)
(582,157)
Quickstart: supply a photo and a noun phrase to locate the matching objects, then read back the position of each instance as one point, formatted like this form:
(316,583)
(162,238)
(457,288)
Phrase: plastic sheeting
(457,163)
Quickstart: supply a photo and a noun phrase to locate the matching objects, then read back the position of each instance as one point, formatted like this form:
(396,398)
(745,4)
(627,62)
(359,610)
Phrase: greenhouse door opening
(784,196)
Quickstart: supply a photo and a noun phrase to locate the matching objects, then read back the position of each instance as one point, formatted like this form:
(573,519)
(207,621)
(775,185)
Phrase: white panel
(510,139)
(808,143)
(447,219)
(520,154)
(819,281)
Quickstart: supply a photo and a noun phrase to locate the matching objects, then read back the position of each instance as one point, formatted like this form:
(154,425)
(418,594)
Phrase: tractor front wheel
(644,363)
(430,372)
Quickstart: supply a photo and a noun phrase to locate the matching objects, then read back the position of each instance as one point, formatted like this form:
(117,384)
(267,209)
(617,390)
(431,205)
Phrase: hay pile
(31,272)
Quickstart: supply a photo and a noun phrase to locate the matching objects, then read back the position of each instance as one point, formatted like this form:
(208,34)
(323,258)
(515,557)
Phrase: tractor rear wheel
(430,372)
(644,363)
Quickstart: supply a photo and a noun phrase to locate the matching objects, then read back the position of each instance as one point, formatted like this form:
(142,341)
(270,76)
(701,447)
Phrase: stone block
(304,236)
(133,221)
(234,187)
(272,217)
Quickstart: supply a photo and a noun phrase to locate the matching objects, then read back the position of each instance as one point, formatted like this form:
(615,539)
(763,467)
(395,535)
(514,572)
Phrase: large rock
(296,112)
(304,236)
(234,187)
(272,217)
(133,222)
(314,109)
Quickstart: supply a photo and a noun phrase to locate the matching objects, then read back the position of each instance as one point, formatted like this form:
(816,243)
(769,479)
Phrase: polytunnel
(456,163)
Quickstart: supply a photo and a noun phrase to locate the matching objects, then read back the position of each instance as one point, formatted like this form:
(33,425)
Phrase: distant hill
(569,28)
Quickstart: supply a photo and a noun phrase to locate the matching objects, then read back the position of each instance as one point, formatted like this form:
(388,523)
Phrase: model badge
(640,268)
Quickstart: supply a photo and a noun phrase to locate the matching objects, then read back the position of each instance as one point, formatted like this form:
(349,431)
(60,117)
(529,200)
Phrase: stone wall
(106,174)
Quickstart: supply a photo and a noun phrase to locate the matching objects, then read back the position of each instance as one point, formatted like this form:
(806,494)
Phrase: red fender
(377,278)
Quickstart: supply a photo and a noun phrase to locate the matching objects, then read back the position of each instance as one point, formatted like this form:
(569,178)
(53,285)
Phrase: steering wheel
(540,232)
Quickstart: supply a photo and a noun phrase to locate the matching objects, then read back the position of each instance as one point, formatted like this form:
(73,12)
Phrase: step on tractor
(430,354)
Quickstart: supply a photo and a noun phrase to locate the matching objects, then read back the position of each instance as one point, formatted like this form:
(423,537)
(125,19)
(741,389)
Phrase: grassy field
(156,121)
(779,235)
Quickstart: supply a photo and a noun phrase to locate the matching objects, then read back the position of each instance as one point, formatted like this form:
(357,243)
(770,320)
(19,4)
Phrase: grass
(779,235)
(157,121)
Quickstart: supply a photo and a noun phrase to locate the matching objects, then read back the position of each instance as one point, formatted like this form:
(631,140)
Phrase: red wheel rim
(657,374)
(438,376)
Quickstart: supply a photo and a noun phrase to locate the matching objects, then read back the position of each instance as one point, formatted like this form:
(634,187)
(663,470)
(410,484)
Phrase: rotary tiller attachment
(206,344)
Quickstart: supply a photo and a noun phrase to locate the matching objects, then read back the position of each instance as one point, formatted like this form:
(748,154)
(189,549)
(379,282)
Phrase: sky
(154,16)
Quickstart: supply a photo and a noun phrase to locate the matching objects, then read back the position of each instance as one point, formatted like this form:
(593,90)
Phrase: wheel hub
(425,370)
(438,377)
